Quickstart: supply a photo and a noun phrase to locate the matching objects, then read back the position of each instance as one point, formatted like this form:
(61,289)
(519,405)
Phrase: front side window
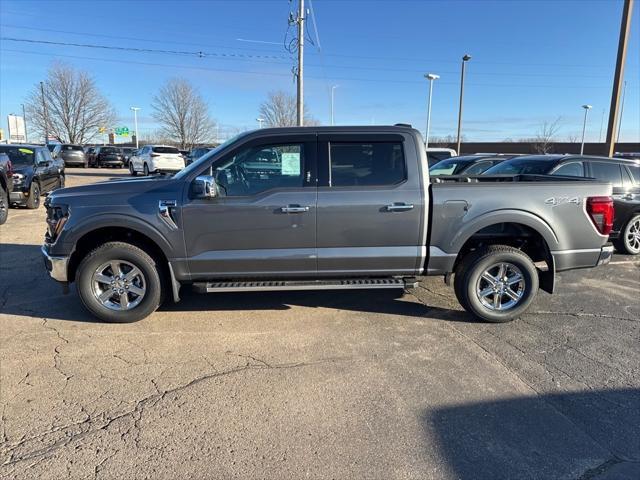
(253,170)
(573,169)
(366,164)
(607,172)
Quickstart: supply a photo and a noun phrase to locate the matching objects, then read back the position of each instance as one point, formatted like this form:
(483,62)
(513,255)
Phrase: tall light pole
(431,77)
(259,120)
(46,115)
(300,76)
(333,87)
(135,124)
(584,126)
(465,59)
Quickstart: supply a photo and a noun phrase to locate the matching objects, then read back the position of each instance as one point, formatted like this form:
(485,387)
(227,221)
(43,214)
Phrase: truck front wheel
(496,283)
(118,282)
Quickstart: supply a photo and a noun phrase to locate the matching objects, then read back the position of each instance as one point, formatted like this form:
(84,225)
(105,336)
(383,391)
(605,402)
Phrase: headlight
(18,177)
(57,216)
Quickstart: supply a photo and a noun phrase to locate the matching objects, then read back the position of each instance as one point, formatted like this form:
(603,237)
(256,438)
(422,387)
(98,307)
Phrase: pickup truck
(317,208)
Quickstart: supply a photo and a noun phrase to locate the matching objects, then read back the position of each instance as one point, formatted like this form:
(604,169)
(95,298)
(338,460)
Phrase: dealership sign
(17,130)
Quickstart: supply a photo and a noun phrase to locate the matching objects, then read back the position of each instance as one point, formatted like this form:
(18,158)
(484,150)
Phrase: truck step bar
(341,284)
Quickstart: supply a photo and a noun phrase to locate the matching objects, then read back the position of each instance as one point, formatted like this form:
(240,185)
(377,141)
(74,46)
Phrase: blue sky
(532,60)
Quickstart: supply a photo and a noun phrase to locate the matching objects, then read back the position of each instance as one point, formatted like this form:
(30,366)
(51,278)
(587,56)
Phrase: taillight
(9,169)
(155,154)
(600,209)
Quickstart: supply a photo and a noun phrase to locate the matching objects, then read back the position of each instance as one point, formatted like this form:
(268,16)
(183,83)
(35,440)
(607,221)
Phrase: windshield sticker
(25,150)
(291,163)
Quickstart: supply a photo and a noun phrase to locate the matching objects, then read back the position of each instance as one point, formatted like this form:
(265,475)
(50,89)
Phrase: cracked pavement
(316,384)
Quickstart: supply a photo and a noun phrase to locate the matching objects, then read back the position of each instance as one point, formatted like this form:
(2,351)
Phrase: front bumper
(56,266)
(17,196)
(605,255)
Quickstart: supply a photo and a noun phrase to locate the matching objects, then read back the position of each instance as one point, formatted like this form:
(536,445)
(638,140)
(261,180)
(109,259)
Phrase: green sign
(122,131)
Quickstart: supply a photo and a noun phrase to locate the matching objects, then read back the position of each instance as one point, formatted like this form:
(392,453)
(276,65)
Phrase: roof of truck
(345,128)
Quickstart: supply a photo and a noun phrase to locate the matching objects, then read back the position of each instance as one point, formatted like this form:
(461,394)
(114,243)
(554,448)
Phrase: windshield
(521,166)
(19,156)
(52,146)
(197,165)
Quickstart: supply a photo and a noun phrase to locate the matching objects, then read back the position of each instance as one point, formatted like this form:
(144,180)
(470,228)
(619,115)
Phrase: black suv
(35,173)
(6,185)
(623,174)
(73,155)
(108,157)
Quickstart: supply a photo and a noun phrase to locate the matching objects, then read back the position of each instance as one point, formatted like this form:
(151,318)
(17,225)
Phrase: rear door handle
(399,207)
(294,209)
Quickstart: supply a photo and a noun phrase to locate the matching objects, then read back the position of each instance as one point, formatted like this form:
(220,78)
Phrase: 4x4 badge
(555,201)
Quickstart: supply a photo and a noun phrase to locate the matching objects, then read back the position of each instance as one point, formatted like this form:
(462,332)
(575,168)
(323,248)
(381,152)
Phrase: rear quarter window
(635,173)
(607,172)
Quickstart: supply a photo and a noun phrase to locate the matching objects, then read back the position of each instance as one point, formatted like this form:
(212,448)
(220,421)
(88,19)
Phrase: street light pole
(431,77)
(259,120)
(135,122)
(46,116)
(584,126)
(333,87)
(465,59)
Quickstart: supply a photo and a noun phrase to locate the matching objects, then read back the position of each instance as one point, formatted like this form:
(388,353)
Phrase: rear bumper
(583,258)
(56,266)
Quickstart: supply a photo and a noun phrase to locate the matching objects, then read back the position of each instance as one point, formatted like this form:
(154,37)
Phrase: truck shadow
(564,435)
(26,289)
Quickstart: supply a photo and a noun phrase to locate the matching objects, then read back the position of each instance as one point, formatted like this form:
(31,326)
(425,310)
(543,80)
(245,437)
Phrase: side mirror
(205,187)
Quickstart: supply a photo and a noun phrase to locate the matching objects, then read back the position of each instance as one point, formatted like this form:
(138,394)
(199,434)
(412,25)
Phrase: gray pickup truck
(322,208)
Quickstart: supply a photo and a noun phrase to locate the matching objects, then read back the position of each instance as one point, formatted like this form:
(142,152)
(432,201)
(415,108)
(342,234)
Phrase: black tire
(468,280)
(33,201)
(131,170)
(4,205)
(627,242)
(154,293)
(145,170)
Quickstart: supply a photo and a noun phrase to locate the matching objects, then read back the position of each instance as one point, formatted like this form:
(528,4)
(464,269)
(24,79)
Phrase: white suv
(156,159)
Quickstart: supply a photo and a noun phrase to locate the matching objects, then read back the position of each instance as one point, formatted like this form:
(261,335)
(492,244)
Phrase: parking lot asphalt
(316,384)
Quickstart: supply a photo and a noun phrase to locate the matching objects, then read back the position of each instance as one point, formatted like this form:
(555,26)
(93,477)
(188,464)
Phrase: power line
(355,79)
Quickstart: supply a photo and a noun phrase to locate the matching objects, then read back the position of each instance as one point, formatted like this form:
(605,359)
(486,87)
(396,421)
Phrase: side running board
(342,284)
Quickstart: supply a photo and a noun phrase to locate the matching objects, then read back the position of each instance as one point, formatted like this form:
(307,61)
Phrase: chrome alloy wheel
(118,285)
(632,236)
(500,287)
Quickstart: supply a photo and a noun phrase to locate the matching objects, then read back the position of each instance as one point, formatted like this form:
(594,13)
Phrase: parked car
(156,159)
(108,156)
(467,164)
(73,155)
(196,153)
(623,174)
(323,208)
(127,152)
(435,155)
(6,185)
(89,153)
(35,173)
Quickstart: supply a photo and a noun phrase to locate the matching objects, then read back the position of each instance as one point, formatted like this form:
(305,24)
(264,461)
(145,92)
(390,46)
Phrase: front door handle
(399,207)
(294,209)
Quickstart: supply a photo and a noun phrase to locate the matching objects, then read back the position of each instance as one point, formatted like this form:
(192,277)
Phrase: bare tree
(544,139)
(279,110)
(573,138)
(69,107)
(182,113)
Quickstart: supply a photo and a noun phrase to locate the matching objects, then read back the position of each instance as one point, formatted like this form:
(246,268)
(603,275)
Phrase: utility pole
(46,116)
(135,124)
(300,76)
(625,26)
(24,120)
(465,59)
(601,124)
(624,93)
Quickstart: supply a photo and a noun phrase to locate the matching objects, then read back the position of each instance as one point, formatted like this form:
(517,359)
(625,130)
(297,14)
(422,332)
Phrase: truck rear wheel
(496,283)
(119,283)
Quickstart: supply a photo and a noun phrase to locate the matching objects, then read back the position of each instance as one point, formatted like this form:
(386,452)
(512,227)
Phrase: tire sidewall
(32,189)
(529,274)
(133,255)
(4,207)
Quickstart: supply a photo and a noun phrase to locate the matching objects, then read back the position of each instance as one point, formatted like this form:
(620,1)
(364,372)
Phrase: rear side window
(366,164)
(607,172)
(573,169)
(635,173)
(165,150)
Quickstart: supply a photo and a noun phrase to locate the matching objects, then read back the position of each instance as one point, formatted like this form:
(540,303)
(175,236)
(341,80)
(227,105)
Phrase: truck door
(263,223)
(371,213)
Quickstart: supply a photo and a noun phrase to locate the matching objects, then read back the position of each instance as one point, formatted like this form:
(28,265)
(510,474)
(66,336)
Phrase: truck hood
(114,192)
